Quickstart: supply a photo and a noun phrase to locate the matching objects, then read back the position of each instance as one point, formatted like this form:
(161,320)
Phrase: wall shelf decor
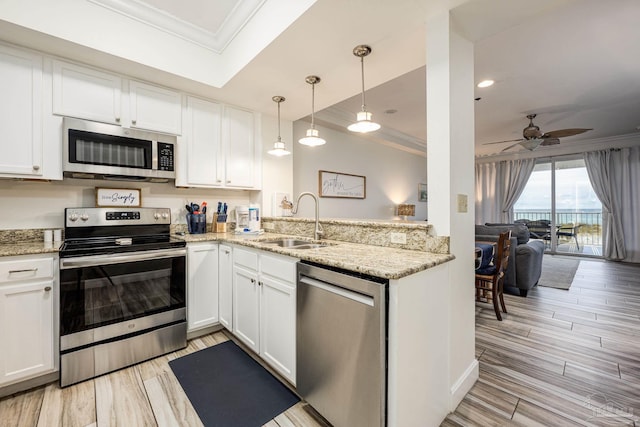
(341,185)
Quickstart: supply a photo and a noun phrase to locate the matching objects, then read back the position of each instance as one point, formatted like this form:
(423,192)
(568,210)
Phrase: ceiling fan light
(312,139)
(363,123)
(278,149)
(531,144)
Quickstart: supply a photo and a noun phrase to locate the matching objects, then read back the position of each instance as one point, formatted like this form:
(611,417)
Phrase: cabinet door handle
(226,252)
(229,182)
(118,119)
(36,167)
(259,283)
(23,271)
(134,122)
(253,280)
(47,289)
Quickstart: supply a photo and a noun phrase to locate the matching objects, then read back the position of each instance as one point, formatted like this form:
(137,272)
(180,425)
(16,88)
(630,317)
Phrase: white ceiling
(575,65)
(573,62)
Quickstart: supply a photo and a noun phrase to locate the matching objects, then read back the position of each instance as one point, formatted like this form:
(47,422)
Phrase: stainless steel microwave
(103,151)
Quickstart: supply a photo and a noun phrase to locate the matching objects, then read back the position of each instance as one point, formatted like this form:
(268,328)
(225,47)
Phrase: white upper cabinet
(86,93)
(91,94)
(219,147)
(21,104)
(155,108)
(240,148)
(200,148)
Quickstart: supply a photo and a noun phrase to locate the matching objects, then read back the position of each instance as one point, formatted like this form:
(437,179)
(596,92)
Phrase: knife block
(218,227)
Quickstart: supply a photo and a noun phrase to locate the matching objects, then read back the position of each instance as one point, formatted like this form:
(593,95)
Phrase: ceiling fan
(533,137)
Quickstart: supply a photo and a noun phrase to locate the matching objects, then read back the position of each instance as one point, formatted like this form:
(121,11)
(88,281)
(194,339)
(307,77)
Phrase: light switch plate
(462,203)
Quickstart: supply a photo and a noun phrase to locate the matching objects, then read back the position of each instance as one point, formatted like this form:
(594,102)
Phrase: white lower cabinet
(27,317)
(225,286)
(202,289)
(264,307)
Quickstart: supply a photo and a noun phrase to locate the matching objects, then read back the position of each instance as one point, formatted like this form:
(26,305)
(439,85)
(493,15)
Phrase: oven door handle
(93,260)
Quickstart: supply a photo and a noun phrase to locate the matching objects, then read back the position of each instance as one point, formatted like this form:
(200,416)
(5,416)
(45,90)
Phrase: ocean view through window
(561,208)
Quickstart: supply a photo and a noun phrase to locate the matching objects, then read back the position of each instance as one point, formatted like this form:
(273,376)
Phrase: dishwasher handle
(354,296)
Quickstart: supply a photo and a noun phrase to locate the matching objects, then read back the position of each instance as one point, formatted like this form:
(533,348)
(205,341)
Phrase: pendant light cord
(313,91)
(279,138)
(364,106)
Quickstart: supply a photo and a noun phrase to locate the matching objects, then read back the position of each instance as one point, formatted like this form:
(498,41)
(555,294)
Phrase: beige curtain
(498,187)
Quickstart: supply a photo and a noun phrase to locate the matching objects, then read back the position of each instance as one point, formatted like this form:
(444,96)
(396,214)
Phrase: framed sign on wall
(342,185)
(129,197)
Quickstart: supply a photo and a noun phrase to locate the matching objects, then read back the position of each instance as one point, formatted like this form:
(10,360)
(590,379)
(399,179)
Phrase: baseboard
(204,331)
(29,384)
(462,386)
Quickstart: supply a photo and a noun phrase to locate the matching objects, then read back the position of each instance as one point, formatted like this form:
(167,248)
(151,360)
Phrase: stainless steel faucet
(318,232)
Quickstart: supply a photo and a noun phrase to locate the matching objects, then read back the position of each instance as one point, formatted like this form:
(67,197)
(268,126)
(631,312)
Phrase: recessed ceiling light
(486,83)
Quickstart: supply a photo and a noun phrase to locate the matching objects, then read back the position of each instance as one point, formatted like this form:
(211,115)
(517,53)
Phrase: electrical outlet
(462,203)
(268,226)
(399,238)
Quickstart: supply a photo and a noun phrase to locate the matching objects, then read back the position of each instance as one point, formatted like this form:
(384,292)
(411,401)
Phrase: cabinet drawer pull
(27,270)
(47,289)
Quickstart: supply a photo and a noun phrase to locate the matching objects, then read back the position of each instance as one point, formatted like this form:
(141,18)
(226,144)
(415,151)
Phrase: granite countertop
(389,263)
(379,261)
(29,248)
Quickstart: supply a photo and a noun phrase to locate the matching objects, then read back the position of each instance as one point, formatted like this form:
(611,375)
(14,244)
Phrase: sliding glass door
(560,208)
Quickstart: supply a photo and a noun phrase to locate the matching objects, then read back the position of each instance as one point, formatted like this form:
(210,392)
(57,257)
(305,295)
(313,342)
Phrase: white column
(450,177)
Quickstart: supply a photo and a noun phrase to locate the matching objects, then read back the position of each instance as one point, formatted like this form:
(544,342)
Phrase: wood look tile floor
(144,395)
(559,358)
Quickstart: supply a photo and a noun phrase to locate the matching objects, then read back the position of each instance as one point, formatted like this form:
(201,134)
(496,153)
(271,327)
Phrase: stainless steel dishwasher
(342,345)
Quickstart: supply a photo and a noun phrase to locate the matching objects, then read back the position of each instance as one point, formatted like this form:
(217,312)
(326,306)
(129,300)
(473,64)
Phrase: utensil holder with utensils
(197,223)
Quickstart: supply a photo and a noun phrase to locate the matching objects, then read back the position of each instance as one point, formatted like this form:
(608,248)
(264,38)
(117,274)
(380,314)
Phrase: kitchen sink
(292,243)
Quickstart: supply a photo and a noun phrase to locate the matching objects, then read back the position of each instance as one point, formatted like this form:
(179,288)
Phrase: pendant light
(278,146)
(363,122)
(312,139)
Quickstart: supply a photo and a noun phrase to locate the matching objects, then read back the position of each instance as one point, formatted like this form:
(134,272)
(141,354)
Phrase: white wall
(450,118)
(392,176)
(277,172)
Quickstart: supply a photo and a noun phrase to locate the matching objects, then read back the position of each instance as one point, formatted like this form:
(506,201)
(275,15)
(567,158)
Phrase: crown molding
(163,21)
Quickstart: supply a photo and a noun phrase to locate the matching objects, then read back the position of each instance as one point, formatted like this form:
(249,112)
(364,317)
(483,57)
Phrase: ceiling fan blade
(502,142)
(511,146)
(561,133)
(550,141)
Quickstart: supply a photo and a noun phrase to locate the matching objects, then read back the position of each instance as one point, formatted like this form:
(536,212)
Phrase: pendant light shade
(278,146)
(312,137)
(363,122)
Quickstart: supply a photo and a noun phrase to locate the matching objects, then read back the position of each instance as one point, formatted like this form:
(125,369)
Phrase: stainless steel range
(122,290)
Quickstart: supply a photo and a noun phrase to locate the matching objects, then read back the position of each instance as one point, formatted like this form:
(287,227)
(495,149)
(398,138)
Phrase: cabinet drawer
(28,269)
(245,258)
(281,268)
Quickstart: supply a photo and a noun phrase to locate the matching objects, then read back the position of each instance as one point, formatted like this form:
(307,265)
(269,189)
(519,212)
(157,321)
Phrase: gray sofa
(525,260)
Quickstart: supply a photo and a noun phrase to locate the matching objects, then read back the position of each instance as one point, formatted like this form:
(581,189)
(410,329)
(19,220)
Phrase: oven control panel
(91,217)
(117,216)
